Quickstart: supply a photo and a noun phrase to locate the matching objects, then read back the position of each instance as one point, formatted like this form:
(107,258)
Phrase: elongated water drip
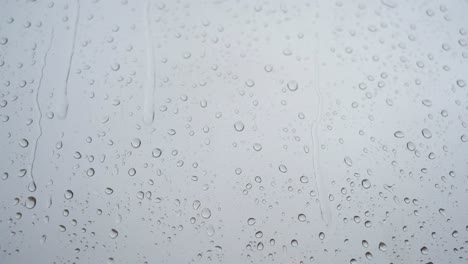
(38,105)
(150,83)
(62,107)
(323,202)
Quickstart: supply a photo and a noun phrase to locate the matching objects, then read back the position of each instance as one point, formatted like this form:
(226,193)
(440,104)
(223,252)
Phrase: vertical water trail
(38,106)
(62,110)
(323,202)
(150,82)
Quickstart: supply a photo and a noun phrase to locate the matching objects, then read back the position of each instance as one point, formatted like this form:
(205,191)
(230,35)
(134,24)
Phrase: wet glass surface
(218,131)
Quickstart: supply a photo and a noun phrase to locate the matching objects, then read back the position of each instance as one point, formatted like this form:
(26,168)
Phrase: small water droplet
(239,126)
(90,172)
(136,143)
(366,184)
(294,243)
(382,246)
(424,251)
(283,168)
(115,66)
(321,236)
(257,146)
(348,161)
(292,85)
(302,217)
(250,83)
(109,191)
(426,133)
(464,138)
(113,234)
(206,213)
(30,202)
(399,134)
(131,172)
(24,143)
(68,194)
(157,152)
(260,246)
(196,204)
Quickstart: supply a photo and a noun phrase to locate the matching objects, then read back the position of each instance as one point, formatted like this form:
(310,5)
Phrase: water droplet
(210,230)
(239,126)
(136,143)
(464,138)
(43,239)
(30,202)
(250,83)
(251,221)
(260,246)
(68,194)
(294,243)
(268,68)
(109,191)
(410,146)
(399,134)
(206,213)
(3,40)
(382,246)
(24,143)
(257,146)
(366,184)
(196,204)
(283,168)
(90,172)
(287,52)
(321,236)
(461,83)
(292,85)
(427,102)
(304,179)
(442,211)
(424,251)
(115,66)
(113,234)
(426,133)
(302,217)
(131,172)
(348,161)
(157,152)
(32,186)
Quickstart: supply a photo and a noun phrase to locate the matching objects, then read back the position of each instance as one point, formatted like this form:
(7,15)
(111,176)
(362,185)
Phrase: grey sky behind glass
(233,131)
